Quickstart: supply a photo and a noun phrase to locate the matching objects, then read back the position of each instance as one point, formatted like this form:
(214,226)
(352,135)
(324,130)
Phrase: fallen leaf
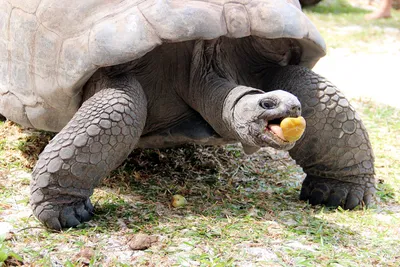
(84,256)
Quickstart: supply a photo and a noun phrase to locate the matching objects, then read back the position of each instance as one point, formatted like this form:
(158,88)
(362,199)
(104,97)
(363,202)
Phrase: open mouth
(274,130)
(283,130)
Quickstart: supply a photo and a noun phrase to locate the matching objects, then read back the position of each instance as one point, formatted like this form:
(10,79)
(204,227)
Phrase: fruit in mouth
(289,129)
(293,128)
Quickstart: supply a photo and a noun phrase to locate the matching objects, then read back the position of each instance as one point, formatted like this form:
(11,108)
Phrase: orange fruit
(293,128)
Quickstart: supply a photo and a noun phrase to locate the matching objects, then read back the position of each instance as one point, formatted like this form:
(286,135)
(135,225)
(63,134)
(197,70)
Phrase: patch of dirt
(372,72)
(364,76)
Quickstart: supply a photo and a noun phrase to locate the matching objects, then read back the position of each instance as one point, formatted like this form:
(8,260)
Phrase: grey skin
(161,84)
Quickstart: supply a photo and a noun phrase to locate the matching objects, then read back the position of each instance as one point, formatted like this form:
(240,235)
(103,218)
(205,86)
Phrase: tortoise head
(256,118)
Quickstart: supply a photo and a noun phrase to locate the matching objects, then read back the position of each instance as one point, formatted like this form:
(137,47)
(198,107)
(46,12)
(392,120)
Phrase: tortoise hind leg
(2,118)
(98,138)
(335,151)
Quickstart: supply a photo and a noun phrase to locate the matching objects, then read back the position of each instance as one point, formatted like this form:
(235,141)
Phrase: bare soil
(371,72)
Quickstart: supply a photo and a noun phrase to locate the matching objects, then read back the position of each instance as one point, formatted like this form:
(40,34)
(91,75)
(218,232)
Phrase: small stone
(142,241)
(84,256)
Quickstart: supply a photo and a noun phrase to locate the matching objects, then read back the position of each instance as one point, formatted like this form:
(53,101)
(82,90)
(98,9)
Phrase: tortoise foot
(334,193)
(57,215)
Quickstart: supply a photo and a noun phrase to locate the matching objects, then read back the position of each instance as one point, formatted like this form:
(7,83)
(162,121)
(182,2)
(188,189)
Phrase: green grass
(384,128)
(7,255)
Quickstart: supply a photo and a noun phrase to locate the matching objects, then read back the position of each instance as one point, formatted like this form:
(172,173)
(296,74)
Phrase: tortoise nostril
(295,110)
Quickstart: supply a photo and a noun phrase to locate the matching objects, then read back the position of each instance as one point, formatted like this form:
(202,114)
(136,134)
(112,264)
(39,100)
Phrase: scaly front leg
(97,139)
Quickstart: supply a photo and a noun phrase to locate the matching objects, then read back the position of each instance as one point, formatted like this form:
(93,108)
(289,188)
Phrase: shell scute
(52,49)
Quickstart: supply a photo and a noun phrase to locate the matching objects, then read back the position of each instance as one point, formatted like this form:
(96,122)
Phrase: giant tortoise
(110,76)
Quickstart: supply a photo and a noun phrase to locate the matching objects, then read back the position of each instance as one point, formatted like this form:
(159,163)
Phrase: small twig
(37,227)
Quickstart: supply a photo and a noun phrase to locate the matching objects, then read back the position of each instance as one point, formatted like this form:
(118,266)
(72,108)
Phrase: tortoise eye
(268,103)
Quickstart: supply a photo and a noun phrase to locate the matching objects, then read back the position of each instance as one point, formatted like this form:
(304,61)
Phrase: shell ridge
(9,56)
(40,3)
(25,115)
(32,67)
(148,21)
(224,16)
(89,48)
(114,14)
(18,8)
(21,58)
(47,28)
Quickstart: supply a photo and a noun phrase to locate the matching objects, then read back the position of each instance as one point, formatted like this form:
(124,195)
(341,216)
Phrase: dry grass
(242,211)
